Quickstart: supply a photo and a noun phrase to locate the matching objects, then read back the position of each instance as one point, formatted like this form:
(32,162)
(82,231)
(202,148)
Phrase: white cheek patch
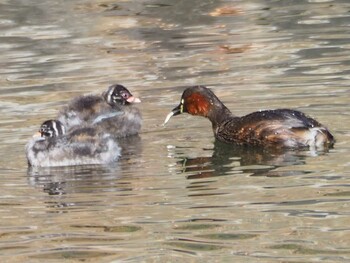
(54,127)
(109,96)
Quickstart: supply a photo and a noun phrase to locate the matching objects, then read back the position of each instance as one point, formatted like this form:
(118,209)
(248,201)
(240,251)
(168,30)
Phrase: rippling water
(176,195)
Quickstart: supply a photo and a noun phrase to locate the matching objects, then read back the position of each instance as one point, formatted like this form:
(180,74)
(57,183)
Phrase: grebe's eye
(124,95)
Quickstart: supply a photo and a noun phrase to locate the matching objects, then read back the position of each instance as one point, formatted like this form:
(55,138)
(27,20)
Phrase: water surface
(176,195)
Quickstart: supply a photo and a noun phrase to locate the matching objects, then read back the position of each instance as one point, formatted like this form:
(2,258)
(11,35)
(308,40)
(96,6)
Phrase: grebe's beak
(176,111)
(133,99)
(37,134)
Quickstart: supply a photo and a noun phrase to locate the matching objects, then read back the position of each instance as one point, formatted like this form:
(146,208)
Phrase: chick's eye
(124,95)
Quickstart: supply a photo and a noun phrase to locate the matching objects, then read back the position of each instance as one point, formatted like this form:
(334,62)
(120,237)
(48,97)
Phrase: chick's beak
(37,134)
(133,99)
(174,112)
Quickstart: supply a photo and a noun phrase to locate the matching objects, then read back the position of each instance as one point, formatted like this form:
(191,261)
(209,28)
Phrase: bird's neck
(219,114)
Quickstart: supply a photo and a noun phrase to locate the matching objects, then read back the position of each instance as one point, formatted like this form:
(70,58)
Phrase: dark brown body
(277,128)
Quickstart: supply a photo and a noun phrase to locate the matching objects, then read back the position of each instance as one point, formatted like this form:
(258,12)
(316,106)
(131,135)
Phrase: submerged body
(112,112)
(282,128)
(54,147)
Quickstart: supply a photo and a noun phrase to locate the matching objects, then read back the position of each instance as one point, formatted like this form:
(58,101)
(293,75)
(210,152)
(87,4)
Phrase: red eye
(124,95)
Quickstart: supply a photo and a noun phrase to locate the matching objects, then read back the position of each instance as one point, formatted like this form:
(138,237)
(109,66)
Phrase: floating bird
(111,112)
(52,146)
(282,128)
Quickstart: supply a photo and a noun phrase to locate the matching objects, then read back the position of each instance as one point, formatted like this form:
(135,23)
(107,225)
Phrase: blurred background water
(176,195)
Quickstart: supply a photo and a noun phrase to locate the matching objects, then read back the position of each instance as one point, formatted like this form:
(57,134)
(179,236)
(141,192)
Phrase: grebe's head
(119,95)
(51,128)
(197,100)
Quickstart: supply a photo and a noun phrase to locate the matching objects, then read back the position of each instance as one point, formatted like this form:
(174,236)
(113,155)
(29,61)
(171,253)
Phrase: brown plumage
(283,128)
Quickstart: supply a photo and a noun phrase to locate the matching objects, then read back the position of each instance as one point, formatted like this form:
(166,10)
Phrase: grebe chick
(282,128)
(112,112)
(53,147)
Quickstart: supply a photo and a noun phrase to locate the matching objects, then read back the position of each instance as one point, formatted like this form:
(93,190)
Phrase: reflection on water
(227,159)
(176,195)
(63,180)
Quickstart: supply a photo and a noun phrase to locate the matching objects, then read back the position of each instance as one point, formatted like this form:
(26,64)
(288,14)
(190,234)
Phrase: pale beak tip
(168,118)
(36,135)
(133,99)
